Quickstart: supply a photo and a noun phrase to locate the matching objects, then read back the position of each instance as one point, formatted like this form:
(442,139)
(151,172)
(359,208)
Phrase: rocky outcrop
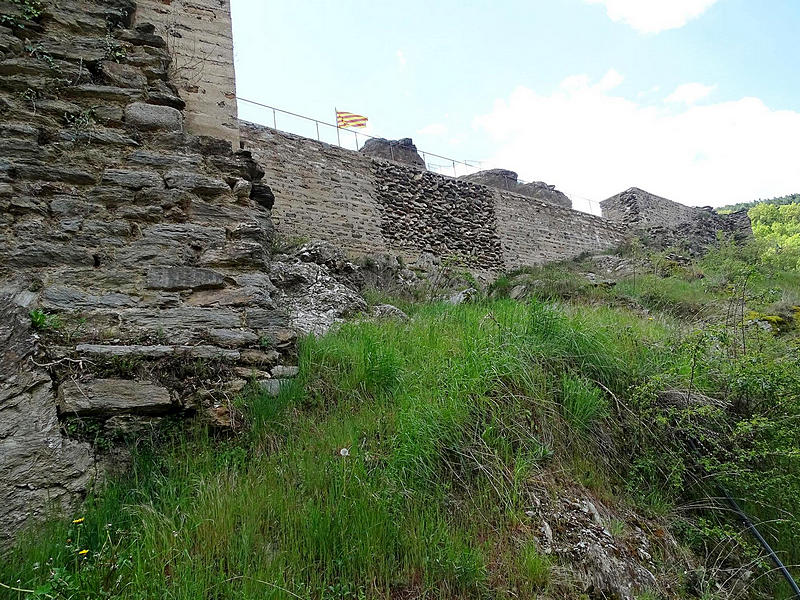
(402,151)
(508,180)
(544,191)
(41,467)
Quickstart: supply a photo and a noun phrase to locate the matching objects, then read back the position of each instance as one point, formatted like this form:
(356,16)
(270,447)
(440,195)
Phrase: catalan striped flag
(346,119)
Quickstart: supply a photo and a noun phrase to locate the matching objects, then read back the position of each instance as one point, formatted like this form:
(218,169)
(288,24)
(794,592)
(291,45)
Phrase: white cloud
(401,58)
(689,93)
(610,80)
(433,129)
(592,143)
(653,16)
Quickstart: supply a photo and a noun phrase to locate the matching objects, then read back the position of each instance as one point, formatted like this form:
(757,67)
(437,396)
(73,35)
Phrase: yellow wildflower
(83,552)
(78,521)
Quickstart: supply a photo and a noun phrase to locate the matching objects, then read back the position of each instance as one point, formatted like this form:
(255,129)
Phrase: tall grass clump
(584,403)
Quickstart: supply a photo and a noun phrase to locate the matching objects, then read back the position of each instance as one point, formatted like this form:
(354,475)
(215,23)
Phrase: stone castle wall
(369,205)
(199,41)
(637,208)
(135,274)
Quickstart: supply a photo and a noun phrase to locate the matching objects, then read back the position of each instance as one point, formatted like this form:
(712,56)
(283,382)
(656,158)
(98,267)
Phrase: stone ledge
(156,351)
(105,397)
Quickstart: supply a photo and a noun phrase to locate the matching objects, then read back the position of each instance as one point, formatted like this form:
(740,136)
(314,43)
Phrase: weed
(21,13)
(42,320)
(584,403)
(534,568)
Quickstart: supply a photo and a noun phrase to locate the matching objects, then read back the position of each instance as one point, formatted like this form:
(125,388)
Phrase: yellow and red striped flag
(346,119)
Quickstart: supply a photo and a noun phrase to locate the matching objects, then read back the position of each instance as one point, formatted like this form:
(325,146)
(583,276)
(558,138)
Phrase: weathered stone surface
(262,194)
(131,179)
(313,298)
(402,151)
(196,183)
(505,179)
(123,75)
(208,86)
(284,371)
(106,397)
(86,220)
(156,351)
(388,311)
(153,117)
(42,172)
(663,223)
(183,278)
(143,35)
(232,338)
(103,92)
(62,298)
(368,206)
(41,468)
(161,93)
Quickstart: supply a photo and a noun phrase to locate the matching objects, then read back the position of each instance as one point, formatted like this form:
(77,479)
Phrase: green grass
(400,461)
(441,418)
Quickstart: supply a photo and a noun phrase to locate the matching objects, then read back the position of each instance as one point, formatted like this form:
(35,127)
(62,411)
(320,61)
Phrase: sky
(694,100)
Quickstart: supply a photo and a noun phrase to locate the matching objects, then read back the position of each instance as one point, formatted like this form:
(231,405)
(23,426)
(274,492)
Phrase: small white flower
(344,452)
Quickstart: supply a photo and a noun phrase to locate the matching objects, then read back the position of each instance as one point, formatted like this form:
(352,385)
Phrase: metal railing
(451,167)
(452,163)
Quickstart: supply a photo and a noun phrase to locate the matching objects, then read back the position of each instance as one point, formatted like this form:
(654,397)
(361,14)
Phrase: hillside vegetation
(480,450)
(778,201)
(776,224)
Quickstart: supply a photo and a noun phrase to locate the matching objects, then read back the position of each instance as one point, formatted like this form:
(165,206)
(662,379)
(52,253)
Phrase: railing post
(391,149)
(274,120)
(317,124)
(454,169)
(355,134)
(425,160)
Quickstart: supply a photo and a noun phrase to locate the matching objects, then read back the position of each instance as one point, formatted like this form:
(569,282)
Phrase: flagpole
(336,120)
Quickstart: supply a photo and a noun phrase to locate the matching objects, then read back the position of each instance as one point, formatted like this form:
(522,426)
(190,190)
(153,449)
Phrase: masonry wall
(324,192)
(200,42)
(637,208)
(133,242)
(536,232)
(368,205)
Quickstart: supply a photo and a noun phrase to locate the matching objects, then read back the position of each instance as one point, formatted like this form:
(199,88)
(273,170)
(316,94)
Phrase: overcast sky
(695,100)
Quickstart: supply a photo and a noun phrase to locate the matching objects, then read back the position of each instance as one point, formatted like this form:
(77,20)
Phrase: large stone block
(196,183)
(123,75)
(151,117)
(107,397)
(183,278)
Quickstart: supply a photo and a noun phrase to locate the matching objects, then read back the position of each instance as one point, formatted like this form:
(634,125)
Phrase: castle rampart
(367,205)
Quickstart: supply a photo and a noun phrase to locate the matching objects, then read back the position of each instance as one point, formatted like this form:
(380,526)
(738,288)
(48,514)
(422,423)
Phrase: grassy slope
(451,423)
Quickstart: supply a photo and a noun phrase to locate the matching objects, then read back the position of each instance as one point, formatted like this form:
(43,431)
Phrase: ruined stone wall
(199,40)
(662,223)
(637,208)
(368,205)
(135,275)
